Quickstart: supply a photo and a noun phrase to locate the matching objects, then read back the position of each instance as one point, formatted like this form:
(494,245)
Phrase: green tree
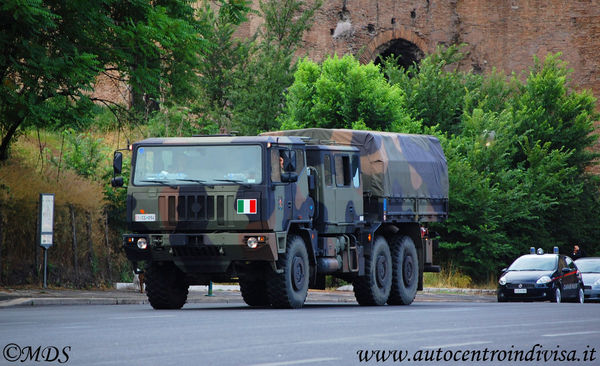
(219,61)
(52,51)
(341,93)
(258,97)
(518,151)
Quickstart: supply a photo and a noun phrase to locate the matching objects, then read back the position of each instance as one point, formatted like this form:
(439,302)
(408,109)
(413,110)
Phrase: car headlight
(597,283)
(502,281)
(543,280)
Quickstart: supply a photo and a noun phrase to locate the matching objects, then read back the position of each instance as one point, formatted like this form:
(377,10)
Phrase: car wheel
(581,296)
(557,296)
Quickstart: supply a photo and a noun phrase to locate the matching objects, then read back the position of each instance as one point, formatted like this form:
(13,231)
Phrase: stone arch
(397,37)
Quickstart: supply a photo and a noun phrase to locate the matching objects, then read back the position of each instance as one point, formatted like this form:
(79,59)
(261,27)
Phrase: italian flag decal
(246,206)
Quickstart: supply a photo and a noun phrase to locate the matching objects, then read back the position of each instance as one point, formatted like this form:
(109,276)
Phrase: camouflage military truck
(281,211)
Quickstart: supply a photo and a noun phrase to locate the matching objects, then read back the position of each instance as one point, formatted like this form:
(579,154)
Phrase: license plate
(520,291)
(145,218)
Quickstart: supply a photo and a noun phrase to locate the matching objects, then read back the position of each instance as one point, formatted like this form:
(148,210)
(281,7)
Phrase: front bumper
(533,293)
(201,253)
(591,293)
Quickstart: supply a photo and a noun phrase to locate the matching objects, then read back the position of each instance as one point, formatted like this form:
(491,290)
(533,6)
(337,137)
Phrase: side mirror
(117,182)
(289,177)
(117,163)
(289,160)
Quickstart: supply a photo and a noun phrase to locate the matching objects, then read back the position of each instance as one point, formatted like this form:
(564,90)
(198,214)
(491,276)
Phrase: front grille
(192,208)
(198,251)
(516,285)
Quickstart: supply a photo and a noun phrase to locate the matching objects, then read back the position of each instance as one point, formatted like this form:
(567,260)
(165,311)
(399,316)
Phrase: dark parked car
(553,277)
(590,271)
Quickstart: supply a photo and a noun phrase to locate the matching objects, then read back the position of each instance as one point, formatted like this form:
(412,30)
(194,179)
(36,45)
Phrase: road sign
(46,220)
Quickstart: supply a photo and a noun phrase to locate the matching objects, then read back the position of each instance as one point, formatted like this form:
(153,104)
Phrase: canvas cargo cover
(393,164)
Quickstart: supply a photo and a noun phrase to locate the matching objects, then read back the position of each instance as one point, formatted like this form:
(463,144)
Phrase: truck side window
(342,170)
(299,160)
(327,168)
(355,171)
(275,166)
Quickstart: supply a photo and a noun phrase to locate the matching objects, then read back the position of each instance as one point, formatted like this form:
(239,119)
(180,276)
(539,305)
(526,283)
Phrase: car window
(561,263)
(588,266)
(570,263)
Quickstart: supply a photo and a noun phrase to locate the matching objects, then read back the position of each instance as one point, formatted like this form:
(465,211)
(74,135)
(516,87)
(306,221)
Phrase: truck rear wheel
(165,286)
(374,287)
(288,290)
(405,271)
(254,292)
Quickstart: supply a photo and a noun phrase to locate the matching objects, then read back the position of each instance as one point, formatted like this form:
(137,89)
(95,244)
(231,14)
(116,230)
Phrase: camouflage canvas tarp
(393,164)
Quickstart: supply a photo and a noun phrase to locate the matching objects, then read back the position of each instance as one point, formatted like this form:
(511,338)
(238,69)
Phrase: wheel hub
(381,270)
(298,273)
(408,268)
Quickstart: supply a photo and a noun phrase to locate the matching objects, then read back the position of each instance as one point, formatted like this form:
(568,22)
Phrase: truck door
(347,182)
(283,193)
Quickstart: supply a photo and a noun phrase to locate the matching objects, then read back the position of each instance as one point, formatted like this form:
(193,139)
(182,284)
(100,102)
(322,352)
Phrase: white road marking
(569,334)
(452,345)
(297,362)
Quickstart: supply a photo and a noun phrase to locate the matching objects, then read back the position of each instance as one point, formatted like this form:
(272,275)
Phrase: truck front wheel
(374,287)
(405,271)
(165,286)
(254,292)
(288,290)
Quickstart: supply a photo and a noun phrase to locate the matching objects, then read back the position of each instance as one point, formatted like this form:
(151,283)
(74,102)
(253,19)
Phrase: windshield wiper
(200,181)
(161,182)
(234,181)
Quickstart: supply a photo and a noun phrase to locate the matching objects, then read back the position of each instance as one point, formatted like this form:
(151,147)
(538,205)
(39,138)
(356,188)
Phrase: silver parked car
(590,269)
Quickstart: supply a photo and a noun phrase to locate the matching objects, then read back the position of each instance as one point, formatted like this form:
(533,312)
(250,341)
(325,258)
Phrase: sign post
(46,226)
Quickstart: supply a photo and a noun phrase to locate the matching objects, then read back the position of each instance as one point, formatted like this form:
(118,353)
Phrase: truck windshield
(192,165)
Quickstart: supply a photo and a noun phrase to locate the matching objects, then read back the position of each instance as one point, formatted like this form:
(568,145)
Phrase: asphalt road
(318,334)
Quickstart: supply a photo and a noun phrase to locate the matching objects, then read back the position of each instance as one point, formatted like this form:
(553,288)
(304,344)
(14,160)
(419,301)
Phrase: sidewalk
(127,294)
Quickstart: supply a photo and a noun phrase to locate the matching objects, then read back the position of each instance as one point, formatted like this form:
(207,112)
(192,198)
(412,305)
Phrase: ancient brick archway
(396,41)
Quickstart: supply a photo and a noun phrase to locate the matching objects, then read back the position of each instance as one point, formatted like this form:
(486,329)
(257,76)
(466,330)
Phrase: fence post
(107,244)
(1,235)
(90,243)
(74,229)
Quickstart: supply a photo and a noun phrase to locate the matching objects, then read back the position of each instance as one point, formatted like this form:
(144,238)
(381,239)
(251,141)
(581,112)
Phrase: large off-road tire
(254,292)
(288,290)
(405,271)
(374,287)
(165,286)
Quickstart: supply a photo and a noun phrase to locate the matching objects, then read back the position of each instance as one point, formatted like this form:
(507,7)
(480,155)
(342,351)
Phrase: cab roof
(219,140)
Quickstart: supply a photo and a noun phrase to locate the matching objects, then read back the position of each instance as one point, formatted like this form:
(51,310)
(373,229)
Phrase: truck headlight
(543,280)
(502,281)
(252,242)
(142,243)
